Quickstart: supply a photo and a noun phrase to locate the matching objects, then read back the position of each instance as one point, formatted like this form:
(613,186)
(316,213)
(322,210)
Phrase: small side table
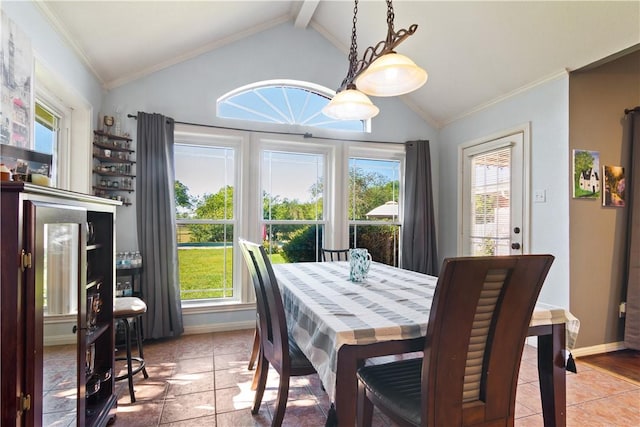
(134,273)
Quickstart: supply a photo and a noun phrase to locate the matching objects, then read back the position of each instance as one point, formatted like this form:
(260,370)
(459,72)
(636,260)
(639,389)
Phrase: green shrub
(302,246)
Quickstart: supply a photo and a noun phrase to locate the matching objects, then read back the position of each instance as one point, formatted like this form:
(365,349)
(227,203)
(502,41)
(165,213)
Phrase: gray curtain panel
(632,320)
(155,205)
(419,245)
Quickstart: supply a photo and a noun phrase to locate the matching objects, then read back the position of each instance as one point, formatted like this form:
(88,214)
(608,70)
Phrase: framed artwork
(586,174)
(613,193)
(17,92)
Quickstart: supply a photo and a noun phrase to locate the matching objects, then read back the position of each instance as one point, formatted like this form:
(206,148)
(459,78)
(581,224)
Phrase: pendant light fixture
(385,72)
(380,72)
(349,103)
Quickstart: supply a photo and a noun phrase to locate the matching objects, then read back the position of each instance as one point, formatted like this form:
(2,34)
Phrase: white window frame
(292,144)
(521,185)
(280,119)
(62,149)
(249,148)
(79,119)
(239,142)
(374,151)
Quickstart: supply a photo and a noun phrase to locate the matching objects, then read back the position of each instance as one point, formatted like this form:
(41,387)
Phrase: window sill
(212,306)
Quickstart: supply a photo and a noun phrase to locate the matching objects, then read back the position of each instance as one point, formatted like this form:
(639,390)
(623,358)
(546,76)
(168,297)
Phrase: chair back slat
(489,295)
(335,254)
(478,323)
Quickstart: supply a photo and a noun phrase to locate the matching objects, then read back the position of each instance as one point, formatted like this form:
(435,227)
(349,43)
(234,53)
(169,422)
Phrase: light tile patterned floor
(202,380)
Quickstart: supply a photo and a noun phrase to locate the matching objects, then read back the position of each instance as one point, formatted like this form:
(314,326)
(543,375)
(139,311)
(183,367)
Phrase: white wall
(546,108)
(188,92)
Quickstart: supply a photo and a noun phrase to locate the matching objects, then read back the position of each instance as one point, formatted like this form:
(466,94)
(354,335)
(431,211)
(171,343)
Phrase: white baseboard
(219,327)
(598,349)
(189,330)
(59,340)
(586,351)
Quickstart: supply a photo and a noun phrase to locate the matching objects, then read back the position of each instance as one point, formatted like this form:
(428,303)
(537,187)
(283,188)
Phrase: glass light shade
(391,74)
(350,104)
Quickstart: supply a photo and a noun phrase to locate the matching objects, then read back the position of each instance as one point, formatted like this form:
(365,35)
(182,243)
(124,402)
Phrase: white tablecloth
(326,311)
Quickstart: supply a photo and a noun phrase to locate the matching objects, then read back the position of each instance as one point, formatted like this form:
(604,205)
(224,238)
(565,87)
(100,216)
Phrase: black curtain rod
(305,135)
(633,110)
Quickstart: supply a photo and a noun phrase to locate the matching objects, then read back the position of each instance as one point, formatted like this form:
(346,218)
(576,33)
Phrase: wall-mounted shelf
(113,166)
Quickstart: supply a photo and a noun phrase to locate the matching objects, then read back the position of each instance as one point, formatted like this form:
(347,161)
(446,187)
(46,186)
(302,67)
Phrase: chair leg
(364,408)
(127,338)
(139,343)
(255,350)
(257,373)
(263,370)
(281,401)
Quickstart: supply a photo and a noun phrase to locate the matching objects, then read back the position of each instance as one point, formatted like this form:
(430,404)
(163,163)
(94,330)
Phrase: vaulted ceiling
(475,52)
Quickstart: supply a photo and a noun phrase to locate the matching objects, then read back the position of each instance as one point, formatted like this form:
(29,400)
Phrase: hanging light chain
(353,52)
(390,17)
(393,39)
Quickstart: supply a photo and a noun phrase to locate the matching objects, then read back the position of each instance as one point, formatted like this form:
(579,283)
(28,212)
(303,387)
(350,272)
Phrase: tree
(368,190)
(584,161)
(217,206)
(183,198)
(277,208)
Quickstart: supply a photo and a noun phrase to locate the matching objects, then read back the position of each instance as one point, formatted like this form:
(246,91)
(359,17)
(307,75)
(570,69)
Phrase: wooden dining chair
(276,346)
(335,254)
(477,327)
(255,349)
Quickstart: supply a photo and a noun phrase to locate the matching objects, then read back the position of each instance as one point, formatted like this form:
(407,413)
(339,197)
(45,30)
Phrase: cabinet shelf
(94,282)
(94,334)
(94,246)
(99,414)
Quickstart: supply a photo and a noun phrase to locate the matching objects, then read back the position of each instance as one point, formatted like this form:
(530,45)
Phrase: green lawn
(205,273)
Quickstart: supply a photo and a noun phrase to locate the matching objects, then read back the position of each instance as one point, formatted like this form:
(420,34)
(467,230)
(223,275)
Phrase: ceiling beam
(304,15)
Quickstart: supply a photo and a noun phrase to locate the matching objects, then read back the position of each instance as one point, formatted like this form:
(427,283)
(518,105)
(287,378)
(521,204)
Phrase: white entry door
(494,195)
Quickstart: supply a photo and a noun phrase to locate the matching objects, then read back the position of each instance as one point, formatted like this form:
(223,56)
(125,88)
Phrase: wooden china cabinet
(56,307)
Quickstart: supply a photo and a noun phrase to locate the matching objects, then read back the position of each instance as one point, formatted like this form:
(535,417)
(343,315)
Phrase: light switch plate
(540,196)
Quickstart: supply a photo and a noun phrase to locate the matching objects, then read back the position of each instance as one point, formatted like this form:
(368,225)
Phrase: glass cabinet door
(56,239)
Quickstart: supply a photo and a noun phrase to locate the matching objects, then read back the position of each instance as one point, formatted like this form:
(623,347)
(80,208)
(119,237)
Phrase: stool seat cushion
(129,306)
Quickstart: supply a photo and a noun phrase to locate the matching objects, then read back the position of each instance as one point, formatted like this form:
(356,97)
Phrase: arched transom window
(288,102)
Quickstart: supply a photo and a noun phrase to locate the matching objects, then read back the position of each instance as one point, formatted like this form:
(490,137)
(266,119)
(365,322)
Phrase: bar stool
(131,308)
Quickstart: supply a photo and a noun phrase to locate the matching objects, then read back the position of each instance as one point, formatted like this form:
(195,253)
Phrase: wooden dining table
(339,324)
